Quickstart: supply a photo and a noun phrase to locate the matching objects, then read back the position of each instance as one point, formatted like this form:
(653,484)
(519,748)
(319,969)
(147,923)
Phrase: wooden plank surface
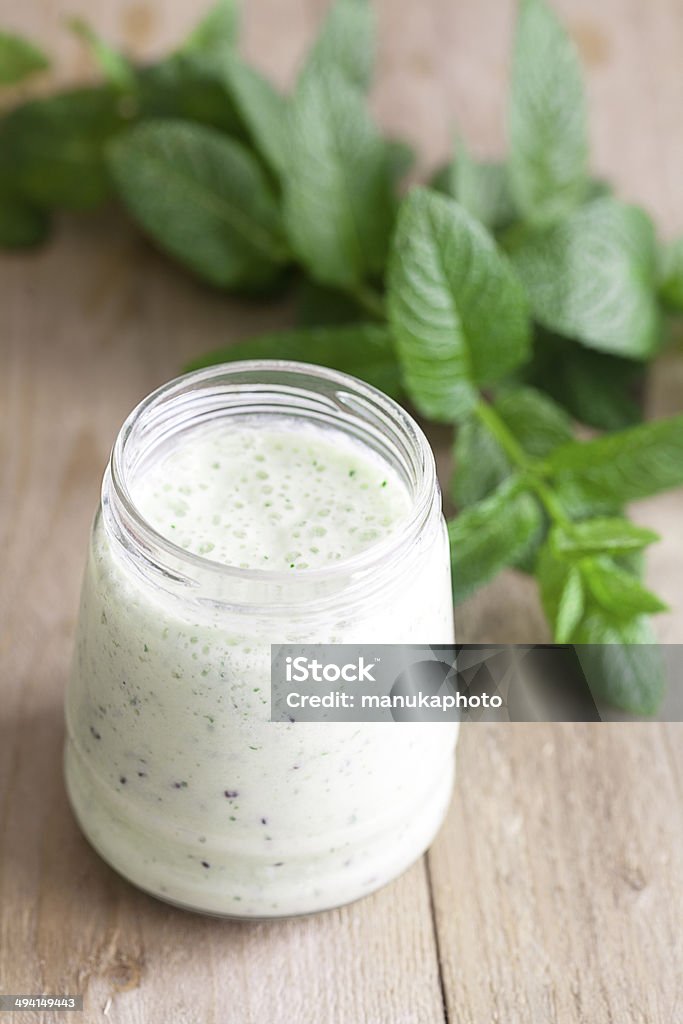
(554,890)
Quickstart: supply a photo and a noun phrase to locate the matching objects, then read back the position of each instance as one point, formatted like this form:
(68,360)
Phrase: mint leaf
(621,661)
(116,68)
(215,37)
(537,424)
(622,467)
(204,200)
(363,350)
(19,59)
(486,537)
(634,563)
(338,204)
(457,311)
(562,593)
(21,225)
(671,274)
(346,43)
(598,389)
(547,117)
(618,591)
(187,87)
(570,607)
(601,536)
(263,110)
(51,150)
(591,277)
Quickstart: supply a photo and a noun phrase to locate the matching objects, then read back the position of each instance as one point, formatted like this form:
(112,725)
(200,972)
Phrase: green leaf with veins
(618,591)
(19,59)
(547,118)
(621,467)
(263,110)
(338,202)
(573,585)
(457,310)
(363,350)
(204,199)
(613,536)
(591,277)
(490,535)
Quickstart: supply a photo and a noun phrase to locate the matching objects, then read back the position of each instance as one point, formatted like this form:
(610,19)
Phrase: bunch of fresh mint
(510,299)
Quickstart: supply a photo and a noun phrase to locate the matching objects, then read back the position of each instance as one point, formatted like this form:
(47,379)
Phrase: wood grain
(554,891)
(558,877)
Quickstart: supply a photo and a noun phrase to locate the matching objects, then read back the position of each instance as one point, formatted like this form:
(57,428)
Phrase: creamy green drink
(272,496)
(232,532)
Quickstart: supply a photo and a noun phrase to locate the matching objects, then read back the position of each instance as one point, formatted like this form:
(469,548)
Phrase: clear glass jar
(174,770)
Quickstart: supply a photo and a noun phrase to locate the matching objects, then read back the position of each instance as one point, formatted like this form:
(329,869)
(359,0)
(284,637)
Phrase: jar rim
(230,374)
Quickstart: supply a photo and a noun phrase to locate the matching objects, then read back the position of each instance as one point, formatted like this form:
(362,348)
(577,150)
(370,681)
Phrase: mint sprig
(535,421)
(514,299)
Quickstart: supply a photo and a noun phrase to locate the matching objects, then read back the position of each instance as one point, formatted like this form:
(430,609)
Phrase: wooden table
(553,893)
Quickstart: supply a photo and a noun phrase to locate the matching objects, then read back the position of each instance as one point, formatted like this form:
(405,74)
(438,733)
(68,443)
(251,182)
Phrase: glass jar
(174,770)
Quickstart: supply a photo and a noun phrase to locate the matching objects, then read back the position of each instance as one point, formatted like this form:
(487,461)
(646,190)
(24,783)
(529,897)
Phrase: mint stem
(518,457)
